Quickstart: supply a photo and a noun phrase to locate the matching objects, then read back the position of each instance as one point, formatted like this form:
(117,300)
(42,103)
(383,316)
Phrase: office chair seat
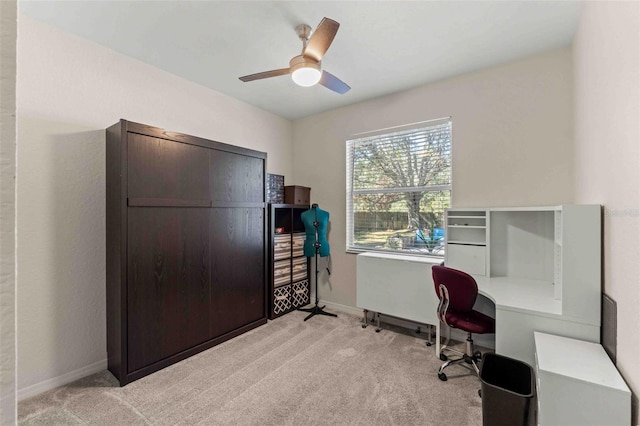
(471,322)
(458,292)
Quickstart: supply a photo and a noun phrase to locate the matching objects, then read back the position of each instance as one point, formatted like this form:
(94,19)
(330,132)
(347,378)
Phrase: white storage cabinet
(578,384)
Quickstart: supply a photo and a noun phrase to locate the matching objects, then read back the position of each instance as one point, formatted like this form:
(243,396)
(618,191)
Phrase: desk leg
(365,320)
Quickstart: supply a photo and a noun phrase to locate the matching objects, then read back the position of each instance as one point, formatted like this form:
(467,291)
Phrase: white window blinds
(398,185)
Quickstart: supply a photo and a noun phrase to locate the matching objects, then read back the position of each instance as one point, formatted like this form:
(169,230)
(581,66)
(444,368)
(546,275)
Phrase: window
(398,185)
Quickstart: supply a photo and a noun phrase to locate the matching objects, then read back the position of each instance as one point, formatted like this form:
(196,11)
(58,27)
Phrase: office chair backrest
(462,288)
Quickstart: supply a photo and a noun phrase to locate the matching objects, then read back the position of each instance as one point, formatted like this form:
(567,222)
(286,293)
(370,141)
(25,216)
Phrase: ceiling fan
(305,68)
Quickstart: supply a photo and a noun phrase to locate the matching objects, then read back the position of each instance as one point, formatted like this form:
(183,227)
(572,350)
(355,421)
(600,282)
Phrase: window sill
(436,260)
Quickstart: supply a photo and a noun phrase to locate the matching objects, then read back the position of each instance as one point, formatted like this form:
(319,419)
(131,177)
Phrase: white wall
(69,90)
(607,128)
(8,33)
(512,144)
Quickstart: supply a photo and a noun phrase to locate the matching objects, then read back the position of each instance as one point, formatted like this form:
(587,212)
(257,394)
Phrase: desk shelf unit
(551,252)
(467,235)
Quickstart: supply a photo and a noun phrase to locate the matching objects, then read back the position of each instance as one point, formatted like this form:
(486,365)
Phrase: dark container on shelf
(297,194)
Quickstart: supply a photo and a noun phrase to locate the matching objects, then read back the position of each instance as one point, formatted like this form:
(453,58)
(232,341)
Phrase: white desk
(525,306)
(522,307)
(402,286)
(556,248)
(520,295)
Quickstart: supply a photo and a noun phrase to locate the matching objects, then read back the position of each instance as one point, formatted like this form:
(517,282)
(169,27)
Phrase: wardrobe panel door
(161,168)
(168,274)
(196,273)
(237,268)
(236,177)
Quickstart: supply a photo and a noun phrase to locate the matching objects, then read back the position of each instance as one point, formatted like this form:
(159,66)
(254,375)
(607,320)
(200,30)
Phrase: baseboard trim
(342,308)
(61,380)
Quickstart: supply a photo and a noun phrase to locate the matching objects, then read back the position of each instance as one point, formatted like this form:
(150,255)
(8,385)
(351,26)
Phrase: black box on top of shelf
(275,188)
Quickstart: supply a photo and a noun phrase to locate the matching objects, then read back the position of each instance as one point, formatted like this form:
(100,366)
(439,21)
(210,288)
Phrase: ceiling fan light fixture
(306,76)
(305,72)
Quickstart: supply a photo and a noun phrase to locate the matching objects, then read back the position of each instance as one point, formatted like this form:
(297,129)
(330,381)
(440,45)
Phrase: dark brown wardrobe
(186,246)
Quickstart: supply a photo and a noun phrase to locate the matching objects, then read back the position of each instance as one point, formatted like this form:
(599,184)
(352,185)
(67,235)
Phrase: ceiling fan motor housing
(305,71)
(302,61)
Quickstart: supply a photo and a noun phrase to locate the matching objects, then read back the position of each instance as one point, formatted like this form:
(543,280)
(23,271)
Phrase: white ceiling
(382,46)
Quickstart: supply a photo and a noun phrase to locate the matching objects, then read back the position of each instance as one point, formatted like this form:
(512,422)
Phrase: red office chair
(457,292)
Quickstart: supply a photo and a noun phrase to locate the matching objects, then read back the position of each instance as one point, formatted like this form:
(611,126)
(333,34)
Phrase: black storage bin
(508,388)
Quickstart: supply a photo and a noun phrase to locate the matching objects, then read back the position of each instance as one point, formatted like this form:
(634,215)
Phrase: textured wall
(607,91)
(512,144)
(8,32)
(69,91)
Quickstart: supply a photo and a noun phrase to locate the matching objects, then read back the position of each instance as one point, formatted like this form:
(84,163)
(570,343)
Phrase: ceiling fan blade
(321,39)
(265,74)
(332,82)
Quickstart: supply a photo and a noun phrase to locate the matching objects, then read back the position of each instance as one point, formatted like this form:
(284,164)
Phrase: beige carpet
(287,372)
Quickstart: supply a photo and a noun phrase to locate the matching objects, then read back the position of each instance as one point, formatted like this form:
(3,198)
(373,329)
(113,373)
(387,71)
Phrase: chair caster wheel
(428,344)
(477,355)
(363,325)
(443,357)
(442,377)
(378,330)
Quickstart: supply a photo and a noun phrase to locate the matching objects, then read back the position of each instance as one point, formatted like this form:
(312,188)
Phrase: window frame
(350,192)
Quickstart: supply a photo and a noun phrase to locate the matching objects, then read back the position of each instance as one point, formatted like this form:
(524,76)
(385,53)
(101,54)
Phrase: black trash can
(508,388)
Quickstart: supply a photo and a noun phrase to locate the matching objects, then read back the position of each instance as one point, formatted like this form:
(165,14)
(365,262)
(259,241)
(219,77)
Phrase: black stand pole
(316,310)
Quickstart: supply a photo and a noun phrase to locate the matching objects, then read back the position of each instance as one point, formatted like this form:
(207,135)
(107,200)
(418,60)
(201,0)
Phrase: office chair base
(466,360)
(470,356)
